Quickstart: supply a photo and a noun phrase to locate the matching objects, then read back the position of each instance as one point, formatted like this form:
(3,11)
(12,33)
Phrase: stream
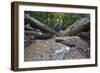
(60,51)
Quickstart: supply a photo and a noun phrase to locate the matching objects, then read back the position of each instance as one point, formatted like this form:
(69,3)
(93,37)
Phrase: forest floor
(43,50)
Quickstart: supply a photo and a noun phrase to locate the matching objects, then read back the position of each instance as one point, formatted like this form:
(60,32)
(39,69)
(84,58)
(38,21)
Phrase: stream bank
(45,50)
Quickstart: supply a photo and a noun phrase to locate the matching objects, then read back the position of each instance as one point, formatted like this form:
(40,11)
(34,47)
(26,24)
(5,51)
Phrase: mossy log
(34,23)
(59,39)
(29,32)
(80,25)
(27,27)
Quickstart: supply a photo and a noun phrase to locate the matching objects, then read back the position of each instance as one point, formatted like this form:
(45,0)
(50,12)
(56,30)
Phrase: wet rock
(41,50)
(45,50)
(60,50)
(79,44)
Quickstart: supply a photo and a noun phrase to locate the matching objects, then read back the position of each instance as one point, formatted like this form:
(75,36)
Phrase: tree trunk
(29,32)
(60,39)
(27,27)
(37,24)
(79,26)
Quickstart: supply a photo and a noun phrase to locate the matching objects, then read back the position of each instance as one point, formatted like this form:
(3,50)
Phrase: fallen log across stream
(34,23)
(70,37)
(80,25)
(66,38)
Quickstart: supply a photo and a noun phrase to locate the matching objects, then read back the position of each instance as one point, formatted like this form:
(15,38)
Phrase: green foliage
(49,18)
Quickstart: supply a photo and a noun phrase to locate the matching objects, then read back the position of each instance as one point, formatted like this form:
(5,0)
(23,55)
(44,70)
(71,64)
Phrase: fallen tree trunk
(28,32)
(37,24)
(79,26)
(38,35)
(59,39)
(27,27)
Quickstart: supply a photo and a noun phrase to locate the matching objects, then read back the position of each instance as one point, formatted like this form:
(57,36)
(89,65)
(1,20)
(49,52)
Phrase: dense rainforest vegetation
(50,18)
